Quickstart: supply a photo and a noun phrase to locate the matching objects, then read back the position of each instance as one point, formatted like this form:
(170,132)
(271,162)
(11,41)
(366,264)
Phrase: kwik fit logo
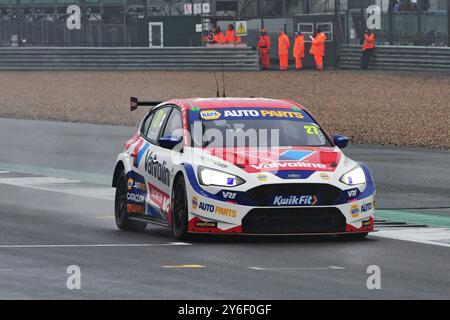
(307,200)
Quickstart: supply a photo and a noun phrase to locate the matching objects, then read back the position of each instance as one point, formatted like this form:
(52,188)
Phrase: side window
(156,123)
(174,124)
(146,125)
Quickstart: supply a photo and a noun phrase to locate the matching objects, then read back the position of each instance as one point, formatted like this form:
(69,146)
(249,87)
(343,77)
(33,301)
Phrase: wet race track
(56,210)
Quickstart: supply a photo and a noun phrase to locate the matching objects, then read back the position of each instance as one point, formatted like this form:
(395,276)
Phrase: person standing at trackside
(218,35)
(299,50)
(264,49)
(368,48)
(283,49)
(318,48)
(230,36)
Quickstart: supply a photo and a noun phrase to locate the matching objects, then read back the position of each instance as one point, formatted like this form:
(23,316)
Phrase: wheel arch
(119,168)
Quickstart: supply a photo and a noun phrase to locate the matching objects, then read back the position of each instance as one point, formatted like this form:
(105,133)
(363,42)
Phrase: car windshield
(255,128)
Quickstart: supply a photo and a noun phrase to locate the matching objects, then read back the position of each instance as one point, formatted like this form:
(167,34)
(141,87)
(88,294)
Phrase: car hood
(254,160)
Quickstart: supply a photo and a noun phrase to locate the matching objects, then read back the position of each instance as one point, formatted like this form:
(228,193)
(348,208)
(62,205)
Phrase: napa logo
(210,114)
(354,210)
(130,184)
(194,202)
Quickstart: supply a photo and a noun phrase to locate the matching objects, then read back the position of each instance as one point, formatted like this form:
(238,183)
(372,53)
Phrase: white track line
(51,184)
(434,236)
(296,268)
(106,245)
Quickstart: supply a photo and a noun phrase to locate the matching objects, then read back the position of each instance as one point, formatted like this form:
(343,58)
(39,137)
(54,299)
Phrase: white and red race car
(240,166)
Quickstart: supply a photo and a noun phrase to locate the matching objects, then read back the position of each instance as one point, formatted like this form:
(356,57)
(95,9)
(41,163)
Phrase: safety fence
(398,58)
(82,58)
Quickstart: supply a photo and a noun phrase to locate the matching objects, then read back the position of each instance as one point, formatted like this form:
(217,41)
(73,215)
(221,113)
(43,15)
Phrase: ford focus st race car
(240,166)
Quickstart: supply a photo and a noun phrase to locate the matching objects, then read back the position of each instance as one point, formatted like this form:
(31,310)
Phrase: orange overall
(318,49)
(219,38)
(283,50)
(264,47)
(299,51)
(231,37)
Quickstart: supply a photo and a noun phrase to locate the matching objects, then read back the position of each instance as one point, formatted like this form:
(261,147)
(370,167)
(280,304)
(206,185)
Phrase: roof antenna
(223,79)
(217,86)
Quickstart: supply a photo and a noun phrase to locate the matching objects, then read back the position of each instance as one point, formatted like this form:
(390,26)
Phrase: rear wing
(135,103)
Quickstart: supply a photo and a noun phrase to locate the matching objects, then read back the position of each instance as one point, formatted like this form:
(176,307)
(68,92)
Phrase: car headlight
(354,177)
(211,177)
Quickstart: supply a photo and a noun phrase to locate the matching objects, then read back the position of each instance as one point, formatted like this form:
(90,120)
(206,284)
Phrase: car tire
(180,210)
(353,236)
(122,218)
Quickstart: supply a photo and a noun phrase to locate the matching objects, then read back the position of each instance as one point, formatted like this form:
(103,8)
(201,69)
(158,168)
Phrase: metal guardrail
(398,58)
(83,58)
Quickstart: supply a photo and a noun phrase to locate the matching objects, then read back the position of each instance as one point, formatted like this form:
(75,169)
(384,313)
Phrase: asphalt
(43,232)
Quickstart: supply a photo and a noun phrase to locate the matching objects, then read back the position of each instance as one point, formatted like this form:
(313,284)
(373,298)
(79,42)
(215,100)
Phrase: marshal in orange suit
(318,49)
(299,50)
(283,49)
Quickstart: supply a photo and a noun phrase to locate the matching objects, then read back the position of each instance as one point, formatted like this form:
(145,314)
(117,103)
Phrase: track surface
(43,232)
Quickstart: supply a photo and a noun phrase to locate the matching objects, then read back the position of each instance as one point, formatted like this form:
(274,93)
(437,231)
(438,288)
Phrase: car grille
(293,220)
(262,195)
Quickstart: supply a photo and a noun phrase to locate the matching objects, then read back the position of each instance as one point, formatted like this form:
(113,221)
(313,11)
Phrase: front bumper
(212,216)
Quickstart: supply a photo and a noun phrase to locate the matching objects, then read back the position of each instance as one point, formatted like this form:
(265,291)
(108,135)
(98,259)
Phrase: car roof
(218,103)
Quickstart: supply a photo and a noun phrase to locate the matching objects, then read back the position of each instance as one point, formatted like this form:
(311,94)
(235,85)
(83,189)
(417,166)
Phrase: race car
(250,166)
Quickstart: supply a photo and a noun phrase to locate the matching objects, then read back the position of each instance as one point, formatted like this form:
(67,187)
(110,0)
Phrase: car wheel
(353,236)
(123,221)
(180,210)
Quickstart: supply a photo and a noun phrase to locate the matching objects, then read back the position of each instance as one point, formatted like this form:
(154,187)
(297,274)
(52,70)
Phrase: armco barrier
(77,58)
(398,58)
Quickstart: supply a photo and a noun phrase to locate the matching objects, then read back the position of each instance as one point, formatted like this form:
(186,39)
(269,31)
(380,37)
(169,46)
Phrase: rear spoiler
(135,103)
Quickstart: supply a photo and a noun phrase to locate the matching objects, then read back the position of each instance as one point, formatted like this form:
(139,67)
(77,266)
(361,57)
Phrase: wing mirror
(340,140)
(169,142)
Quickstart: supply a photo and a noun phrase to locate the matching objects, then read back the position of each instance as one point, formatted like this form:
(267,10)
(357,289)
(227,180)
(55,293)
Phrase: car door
(156,167)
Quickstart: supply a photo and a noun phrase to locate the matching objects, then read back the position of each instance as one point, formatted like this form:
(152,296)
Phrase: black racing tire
(123,221)
(180,209)
(353,236)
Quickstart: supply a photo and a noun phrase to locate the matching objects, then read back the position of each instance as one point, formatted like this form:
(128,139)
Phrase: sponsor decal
(241,113)
(228,195)
(325,176)
(354,211)
(194,202)
(157,169)
(160,198)
(206,224)
(206,207)
(134,208)
(217,210)
(367,223)
(366,207)
(281,114)
(288,164)
(210,114)
(140,186)
(262,177)
(305,200)
(130,184)
(294,176)
(139,198)
(352,193)
(226,212)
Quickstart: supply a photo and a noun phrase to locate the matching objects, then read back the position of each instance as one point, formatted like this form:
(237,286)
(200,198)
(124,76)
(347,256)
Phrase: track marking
(184,266)
(434,236)
(61,185)
(106,245)
(296,268)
